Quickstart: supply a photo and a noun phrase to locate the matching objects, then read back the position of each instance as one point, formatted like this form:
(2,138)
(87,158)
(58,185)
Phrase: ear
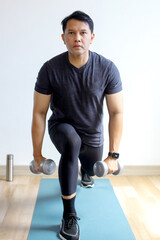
(92,37)
(63,38)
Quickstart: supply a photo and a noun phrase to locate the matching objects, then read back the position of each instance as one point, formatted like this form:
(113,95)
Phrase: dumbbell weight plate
(48,166)
(100,169)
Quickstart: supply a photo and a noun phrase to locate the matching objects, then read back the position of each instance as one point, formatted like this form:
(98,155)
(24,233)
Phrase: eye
(71,33)
(83,33)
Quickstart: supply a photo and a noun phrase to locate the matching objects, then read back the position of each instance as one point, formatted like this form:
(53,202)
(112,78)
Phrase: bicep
(115,102)
(41,102)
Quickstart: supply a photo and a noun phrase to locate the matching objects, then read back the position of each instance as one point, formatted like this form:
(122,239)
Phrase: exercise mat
(101,216)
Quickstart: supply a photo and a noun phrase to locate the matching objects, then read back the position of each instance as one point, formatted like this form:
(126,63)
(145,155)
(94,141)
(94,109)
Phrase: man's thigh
(64,134)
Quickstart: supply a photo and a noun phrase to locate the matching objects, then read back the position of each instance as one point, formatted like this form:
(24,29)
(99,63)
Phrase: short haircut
(81,16)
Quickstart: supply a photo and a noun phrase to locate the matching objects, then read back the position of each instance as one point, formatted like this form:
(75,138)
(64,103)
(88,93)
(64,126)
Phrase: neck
(78,60)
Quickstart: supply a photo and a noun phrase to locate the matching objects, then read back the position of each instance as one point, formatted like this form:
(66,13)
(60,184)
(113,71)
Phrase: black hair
(79,16)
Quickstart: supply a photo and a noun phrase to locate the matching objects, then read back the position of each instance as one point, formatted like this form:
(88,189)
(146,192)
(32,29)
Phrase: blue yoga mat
(101,216)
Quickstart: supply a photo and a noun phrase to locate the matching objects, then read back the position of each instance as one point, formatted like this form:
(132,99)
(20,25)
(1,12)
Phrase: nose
(77,37)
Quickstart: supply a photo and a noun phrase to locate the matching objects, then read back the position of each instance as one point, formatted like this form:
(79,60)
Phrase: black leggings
(69,144)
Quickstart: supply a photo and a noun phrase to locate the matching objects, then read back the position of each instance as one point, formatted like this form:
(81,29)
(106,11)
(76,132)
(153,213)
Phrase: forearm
(115,131)
(38,129)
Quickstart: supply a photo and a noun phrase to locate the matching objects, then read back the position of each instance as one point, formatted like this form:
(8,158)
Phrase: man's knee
(73,142)
(70,140)
(67,138)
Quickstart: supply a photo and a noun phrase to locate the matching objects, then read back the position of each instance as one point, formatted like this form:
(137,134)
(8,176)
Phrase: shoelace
(71,221)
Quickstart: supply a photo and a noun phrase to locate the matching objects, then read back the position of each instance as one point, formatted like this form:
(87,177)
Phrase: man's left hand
(112,164)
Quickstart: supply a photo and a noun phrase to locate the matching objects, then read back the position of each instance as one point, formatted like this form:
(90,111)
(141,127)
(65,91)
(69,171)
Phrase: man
(75,84)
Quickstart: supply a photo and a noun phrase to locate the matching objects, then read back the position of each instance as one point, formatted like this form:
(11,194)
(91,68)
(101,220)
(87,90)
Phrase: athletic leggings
(69,144)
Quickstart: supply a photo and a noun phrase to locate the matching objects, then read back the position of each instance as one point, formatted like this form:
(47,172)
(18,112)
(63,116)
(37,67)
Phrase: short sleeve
(114,80)
(43,84)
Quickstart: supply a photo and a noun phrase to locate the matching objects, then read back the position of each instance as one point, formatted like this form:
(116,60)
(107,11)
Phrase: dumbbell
(100,168)
(47,167)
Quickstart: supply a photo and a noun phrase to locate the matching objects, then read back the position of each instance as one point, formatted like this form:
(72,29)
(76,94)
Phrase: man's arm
(41,105)
(115,110)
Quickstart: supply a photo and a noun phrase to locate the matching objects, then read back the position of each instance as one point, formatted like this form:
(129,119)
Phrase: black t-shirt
(78,93)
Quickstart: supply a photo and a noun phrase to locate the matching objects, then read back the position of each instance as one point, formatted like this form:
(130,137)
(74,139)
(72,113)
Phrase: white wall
(127,32)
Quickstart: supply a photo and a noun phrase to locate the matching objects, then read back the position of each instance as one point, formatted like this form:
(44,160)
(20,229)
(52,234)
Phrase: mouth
(77,46)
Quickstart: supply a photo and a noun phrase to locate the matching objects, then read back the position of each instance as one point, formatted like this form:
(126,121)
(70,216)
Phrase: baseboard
(128,171)
(141,170)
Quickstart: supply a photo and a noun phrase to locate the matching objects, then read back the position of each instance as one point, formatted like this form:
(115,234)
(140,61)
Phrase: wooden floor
(139,197)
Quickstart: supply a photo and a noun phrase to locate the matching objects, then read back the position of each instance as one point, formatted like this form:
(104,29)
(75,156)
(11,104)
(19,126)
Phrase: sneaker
(69,229)
(86,180)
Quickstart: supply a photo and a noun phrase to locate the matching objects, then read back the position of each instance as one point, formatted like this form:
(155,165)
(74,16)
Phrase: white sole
(63,237)
(88,186)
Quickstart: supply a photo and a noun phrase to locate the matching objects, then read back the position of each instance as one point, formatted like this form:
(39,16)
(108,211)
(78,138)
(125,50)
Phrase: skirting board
(128,171)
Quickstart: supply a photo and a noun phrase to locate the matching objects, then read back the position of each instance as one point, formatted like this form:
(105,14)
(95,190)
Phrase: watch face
(115,155)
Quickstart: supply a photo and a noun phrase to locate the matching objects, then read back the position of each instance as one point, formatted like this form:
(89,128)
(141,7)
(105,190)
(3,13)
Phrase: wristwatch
(113,155)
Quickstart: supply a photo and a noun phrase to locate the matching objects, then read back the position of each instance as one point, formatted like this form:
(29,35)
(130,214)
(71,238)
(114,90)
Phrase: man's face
(77,37)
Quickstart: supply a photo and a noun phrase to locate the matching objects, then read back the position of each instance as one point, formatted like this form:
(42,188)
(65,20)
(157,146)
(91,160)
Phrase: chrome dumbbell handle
(32,167)
(120,168)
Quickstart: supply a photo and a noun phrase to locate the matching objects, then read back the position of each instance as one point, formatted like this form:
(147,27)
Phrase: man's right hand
(37,162)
